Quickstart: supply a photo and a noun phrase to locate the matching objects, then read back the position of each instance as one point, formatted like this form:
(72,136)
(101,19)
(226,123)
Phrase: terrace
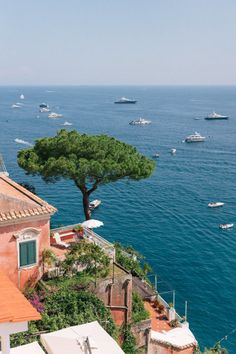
(69,235)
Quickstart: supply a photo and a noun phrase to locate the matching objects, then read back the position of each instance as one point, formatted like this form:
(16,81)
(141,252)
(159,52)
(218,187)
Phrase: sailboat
(22,97)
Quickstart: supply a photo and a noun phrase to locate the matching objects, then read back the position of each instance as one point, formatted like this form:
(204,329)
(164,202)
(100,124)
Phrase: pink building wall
(9,252)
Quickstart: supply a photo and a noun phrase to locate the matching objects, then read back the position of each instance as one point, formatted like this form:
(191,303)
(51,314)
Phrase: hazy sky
(77,42)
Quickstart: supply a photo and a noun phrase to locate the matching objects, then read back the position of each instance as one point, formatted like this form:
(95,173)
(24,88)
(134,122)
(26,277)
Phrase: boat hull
(217,118)
(128,102)
(194,141)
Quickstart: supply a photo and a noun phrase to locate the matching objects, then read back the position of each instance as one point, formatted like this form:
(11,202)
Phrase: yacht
(215,116)
(94,204)
(125,100)
(173,151)
(140,121)
(226,226)
(195,138)
(215,204)
(44,109)
(55,115)
(67,123)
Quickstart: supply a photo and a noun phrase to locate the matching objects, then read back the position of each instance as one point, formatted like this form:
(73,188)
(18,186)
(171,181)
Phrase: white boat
(226,226)
(67,123)
(156,156)
(195,138)
(22,97)
(55,115)
(43,110)
(215,116)
(215,204)
(94,204)
(125,100)
(173,151)
(15,106)
(140,121)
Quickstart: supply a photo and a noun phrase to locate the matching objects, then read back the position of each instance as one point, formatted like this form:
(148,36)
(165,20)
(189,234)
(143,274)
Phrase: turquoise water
(164,217)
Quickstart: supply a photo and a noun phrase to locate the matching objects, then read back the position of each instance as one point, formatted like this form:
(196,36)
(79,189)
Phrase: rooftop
(17,202)
(14,306)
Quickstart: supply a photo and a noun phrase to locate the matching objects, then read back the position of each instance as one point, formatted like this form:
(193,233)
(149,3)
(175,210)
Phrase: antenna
(3,169)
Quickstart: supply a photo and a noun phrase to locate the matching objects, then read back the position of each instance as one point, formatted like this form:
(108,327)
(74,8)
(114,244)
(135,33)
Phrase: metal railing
(91,236)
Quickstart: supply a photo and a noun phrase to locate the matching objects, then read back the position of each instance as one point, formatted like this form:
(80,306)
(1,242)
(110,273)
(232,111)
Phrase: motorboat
(55,115)
(215,204)
(125,100)
(22,97)
(94,204)
(173,151)
(156,155)
(16,106)
(140,121)
(67,123)
(226,226)
(43,105)
(215,116)
(44,110)
(195,138)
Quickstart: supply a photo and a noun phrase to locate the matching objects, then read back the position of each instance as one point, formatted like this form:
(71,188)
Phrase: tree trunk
(87,213)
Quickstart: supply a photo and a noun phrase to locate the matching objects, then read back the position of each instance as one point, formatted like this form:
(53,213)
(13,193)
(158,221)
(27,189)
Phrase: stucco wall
(9,254)
(156,348)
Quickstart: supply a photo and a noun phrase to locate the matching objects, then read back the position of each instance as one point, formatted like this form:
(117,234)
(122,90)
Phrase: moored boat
(55,115)
(140,121)
(226,226)
(156,155)
(125,100)
(94,204)
(173,151)
(215,116)
(43,105)
(215,204)
(195,138)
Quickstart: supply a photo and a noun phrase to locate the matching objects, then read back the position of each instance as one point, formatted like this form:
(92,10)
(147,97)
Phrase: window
(27,253)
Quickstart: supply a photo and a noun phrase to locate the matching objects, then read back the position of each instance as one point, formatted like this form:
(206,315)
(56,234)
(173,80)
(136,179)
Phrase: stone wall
(141,332)
(116,294)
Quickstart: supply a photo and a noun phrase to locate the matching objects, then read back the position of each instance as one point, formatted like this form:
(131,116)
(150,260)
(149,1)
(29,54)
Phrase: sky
(117,42)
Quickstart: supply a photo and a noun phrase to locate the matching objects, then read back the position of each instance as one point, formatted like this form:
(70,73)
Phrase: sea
(164,217)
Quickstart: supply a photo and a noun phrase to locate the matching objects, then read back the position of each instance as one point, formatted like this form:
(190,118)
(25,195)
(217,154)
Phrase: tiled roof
(17,202)
(14,307)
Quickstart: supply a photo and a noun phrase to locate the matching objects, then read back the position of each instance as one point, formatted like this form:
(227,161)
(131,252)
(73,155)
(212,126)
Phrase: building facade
(24,232)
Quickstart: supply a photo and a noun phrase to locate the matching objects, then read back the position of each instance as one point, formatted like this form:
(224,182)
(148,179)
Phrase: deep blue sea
(164,217)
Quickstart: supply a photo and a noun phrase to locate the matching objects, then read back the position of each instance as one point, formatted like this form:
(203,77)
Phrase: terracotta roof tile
(17,202)
(14,307)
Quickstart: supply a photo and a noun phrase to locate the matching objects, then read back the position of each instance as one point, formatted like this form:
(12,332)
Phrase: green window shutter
(31,252)
(27,253)
(23,254)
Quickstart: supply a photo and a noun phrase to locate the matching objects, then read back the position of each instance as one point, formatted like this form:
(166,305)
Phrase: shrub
(138,311)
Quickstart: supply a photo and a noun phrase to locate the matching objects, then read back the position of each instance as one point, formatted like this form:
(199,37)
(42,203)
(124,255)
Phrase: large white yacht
(55,115)
(195,138)
(125,100)
(140,121)
(215,116)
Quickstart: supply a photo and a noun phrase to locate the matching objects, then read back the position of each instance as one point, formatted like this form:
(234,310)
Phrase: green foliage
(217,349)
(138,311)
(129,342)
(65,308)
(88,255)
(88,160)
(133,262)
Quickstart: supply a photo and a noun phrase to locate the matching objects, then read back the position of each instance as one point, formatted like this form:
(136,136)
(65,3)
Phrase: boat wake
(20,141)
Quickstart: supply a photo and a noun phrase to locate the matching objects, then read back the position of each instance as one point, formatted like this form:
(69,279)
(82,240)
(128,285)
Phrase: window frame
(36,250)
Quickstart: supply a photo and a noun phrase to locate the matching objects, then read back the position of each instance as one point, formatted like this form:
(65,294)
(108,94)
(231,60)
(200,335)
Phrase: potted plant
(79,230)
